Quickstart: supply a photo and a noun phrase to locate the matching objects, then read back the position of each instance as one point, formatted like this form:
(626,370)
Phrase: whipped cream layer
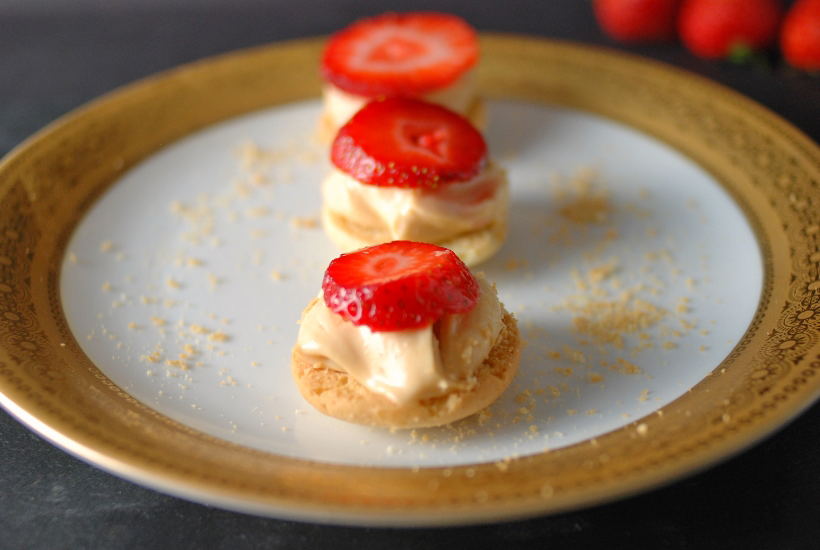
(405,365)
(430,215)
(340,106)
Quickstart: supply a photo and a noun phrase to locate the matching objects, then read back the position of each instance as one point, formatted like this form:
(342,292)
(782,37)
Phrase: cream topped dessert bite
(405,169)
(404,336)
(424,55)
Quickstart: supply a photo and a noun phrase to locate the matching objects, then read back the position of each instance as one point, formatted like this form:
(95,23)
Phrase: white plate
(708,201)
(191,237)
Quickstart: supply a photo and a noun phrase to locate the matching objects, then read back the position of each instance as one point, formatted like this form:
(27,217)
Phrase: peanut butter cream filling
(405,365)
(427,215)
(340,106)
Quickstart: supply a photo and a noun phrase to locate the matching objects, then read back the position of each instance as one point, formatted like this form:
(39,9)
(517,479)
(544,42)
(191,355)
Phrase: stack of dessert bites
(403,334)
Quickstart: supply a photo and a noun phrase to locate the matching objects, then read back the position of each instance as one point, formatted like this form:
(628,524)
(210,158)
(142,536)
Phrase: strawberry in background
(637,20)
(728,29)
(800,35)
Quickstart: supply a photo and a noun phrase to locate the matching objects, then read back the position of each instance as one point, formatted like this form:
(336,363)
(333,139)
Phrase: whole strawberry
(637,20)
(800,35)
(717,29)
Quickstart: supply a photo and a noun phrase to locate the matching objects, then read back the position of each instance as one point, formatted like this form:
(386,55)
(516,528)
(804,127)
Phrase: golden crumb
(608,321)
(308,222)
(626,367)
(176,363)
(587,210)
(218,336)
(576,355)
(602,272)
(687,325)
(258,178)
(517,263)
(106,246)
(257,212)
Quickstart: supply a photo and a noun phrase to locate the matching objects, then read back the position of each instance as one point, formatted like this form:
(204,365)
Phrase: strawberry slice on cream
(404,335)
(408,169)
(424,55)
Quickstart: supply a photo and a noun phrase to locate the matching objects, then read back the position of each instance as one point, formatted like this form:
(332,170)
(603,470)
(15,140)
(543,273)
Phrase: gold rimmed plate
(159,244)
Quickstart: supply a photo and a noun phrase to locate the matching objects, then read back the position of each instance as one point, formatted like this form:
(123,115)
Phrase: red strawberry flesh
(637,20)
(407,54)
(716,29)
(399,285)
(800,35)
(400,142)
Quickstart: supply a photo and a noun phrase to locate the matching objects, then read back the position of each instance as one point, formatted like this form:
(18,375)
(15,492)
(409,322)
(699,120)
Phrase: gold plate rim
(769,167)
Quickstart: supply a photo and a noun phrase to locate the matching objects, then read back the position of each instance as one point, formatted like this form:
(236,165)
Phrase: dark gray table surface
(53,61)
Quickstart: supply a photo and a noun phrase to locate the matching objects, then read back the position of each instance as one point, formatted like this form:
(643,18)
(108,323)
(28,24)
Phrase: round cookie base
(473,248)
(338,395)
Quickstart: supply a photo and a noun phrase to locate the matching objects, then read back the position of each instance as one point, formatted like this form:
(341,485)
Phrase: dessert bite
(405,169)
(404,336)
(425,55)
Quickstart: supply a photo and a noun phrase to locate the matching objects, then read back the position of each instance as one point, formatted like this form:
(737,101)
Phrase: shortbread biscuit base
(327,129)
(338,395)
(472,248)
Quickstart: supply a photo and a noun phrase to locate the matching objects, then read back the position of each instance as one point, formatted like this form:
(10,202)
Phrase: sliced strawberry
(399,285)
(406,54)
(400,142)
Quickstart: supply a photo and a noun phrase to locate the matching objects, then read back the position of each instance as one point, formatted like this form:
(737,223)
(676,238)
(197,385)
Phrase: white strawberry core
(397,49)
(388,266)
(428,139)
